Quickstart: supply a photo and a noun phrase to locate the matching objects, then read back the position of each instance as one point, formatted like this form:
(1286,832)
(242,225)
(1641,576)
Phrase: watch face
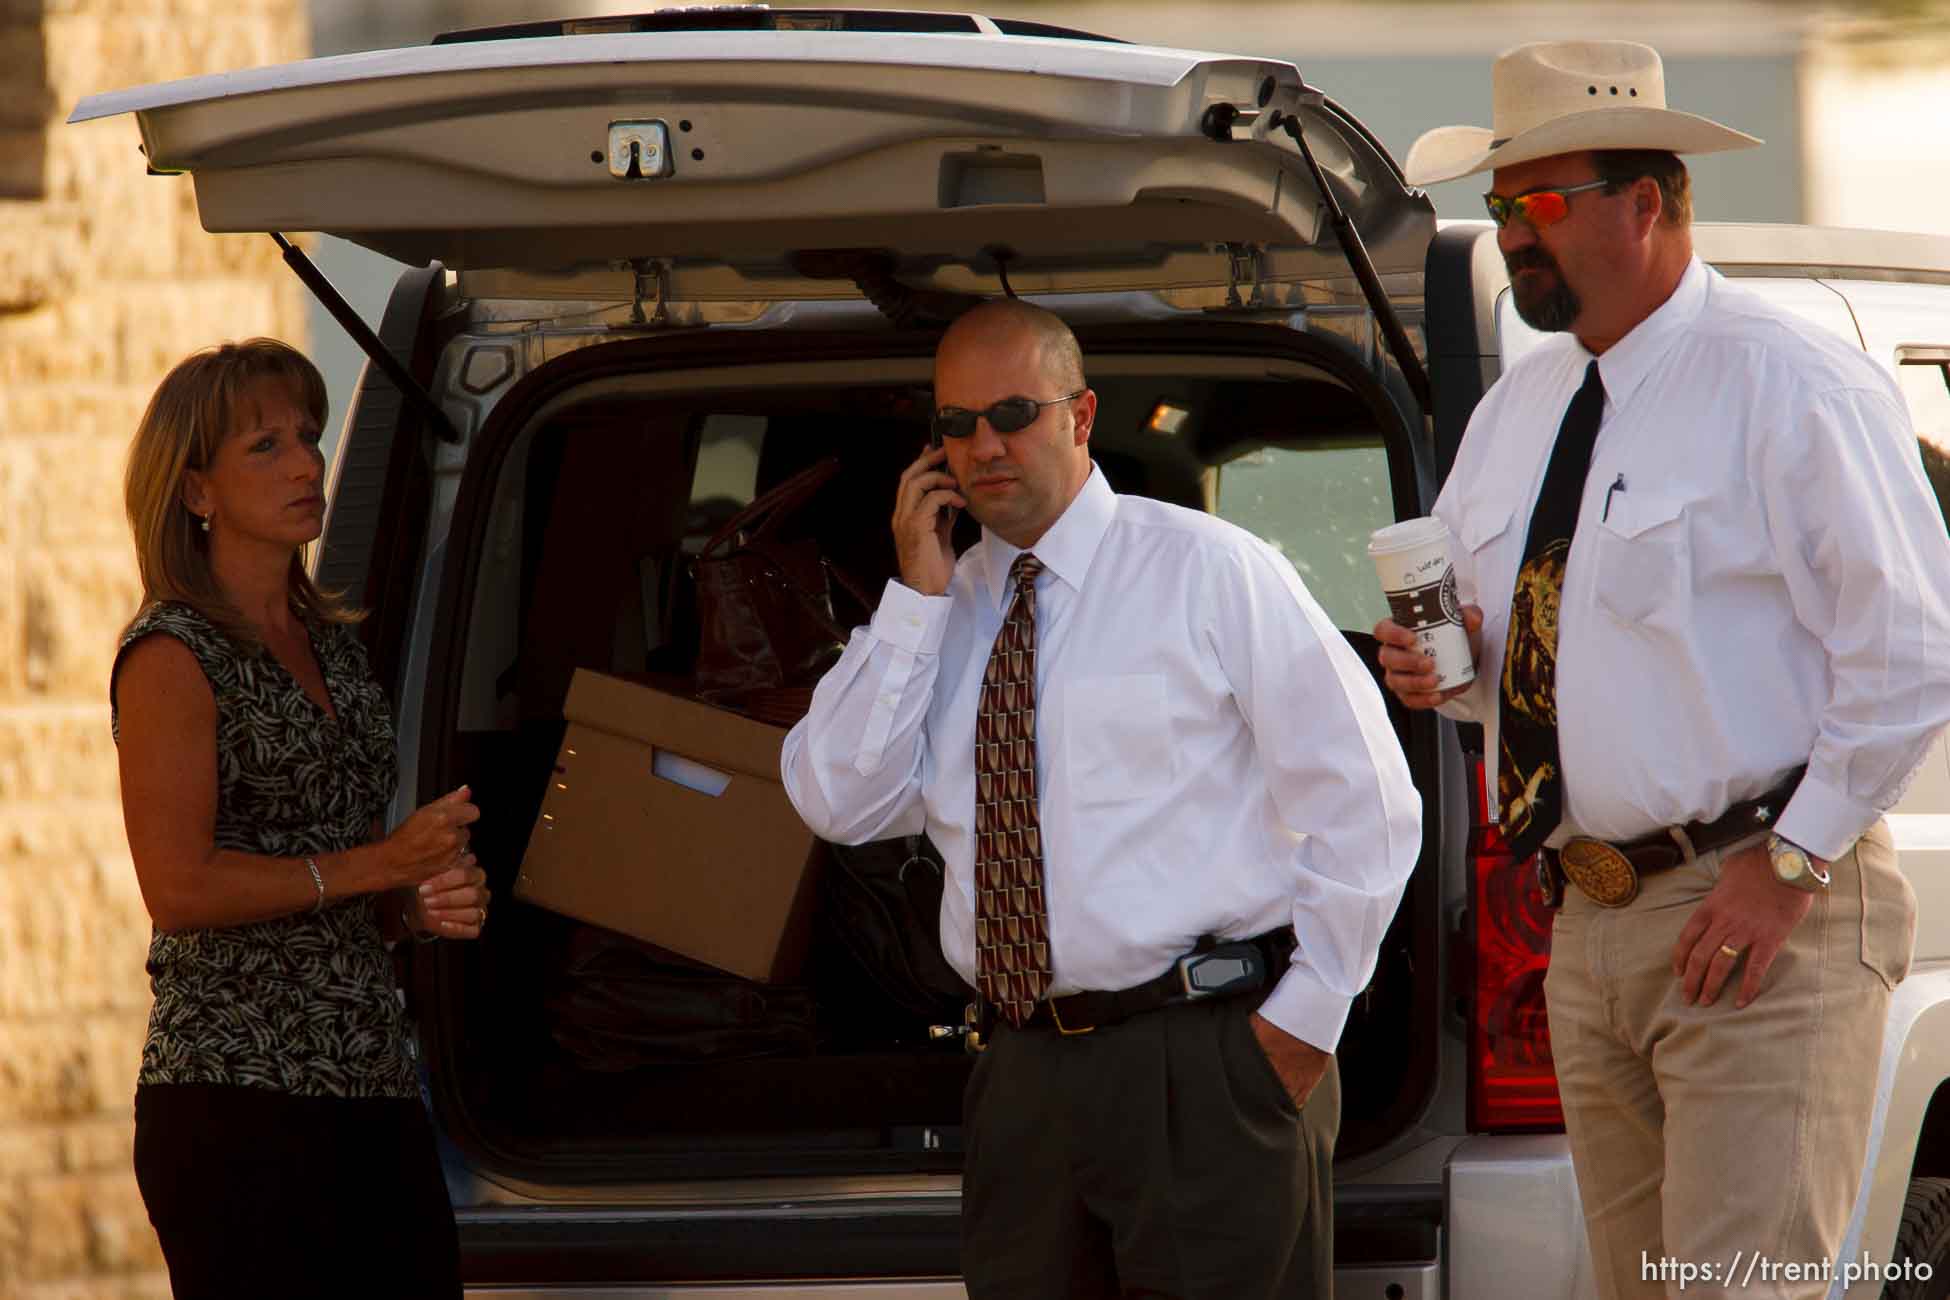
(1790,862)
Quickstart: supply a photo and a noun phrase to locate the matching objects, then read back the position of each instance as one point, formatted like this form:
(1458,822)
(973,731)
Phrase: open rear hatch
(1082,159)
(772,164)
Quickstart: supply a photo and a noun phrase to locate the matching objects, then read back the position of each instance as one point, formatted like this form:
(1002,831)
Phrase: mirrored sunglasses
(1009,415)
(1538,208)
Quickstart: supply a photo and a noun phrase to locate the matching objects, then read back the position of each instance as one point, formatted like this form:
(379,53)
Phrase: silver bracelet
(406,919)
(318,883)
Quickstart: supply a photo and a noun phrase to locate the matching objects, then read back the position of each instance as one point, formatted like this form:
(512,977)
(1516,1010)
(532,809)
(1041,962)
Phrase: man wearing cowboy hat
(1713,644)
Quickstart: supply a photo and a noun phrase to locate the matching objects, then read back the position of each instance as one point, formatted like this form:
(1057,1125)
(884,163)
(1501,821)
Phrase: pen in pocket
(1618,485)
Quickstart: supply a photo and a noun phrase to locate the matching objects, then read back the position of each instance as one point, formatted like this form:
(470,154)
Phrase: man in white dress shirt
(1714,644)
(1204,771)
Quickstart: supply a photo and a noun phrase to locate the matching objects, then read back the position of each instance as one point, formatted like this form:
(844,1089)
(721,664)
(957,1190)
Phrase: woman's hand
(453,904)
(433,840)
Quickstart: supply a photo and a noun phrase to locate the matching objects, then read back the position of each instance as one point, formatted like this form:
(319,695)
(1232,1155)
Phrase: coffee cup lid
(1407,535)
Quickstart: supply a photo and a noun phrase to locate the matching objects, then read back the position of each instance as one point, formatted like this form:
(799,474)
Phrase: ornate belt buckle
(1604,875)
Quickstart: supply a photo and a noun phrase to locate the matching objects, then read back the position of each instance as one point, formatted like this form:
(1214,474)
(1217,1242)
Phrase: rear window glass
(1317,505)
(727,462)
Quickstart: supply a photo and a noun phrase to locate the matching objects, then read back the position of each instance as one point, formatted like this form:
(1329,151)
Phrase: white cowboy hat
(1556,97)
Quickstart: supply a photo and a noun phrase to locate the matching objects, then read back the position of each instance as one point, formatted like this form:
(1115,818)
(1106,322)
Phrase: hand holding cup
(1430,639)
(1410,672)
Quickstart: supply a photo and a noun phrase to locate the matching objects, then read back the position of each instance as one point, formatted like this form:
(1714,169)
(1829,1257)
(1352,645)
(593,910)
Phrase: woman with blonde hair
(281,1144)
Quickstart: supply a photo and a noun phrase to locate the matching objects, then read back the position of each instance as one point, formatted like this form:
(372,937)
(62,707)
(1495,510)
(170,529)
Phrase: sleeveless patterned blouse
(299,1004)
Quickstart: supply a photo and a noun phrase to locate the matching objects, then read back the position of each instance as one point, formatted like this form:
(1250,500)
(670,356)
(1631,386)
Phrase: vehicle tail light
(1512,1080)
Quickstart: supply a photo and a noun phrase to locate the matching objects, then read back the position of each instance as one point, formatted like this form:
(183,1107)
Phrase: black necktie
(1529,775)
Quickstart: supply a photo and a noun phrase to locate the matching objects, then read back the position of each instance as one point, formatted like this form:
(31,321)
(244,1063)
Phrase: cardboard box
(666,819)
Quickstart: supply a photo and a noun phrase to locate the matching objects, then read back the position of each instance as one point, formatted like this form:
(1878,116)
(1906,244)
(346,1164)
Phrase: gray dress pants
(1160,1157)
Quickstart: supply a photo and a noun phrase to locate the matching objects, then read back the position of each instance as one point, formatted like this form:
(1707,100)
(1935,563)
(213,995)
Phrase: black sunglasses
(1006,416)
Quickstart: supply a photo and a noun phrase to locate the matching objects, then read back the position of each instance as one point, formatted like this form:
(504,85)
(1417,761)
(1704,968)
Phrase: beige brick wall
(106,279)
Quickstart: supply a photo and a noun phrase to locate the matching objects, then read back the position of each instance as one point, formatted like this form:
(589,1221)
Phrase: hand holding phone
(924,515)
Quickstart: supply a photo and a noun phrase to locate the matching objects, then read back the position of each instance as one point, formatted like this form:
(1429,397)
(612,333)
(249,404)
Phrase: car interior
(588,522)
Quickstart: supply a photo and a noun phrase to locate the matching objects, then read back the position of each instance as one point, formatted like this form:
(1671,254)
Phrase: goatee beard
(1551,310)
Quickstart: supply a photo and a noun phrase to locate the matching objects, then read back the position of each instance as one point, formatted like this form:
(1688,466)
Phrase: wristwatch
(1793,865)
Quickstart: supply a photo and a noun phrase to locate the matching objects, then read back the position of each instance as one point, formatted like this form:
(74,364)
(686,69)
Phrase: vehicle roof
(763,17)
(1839,251)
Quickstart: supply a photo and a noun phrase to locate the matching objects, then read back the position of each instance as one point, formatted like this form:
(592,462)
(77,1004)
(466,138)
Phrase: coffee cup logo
(1421,607)
(1413,562)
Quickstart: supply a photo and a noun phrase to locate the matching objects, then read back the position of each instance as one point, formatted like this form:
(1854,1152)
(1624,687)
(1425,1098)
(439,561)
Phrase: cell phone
(934,441)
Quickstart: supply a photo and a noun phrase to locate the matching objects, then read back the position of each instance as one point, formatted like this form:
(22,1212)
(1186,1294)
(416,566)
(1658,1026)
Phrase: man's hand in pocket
(1300,1065)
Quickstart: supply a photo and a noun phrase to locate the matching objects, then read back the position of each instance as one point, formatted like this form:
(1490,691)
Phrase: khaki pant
(1712,1138)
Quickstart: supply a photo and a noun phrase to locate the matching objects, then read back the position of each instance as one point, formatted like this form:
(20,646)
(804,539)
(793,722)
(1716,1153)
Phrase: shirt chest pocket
(1483,531)
(1640,554)
(1486,534)
(1118,738)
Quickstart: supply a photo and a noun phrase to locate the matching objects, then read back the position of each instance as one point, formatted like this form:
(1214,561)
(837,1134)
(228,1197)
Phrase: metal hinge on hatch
(1245,265)
(639,150)
(652,282)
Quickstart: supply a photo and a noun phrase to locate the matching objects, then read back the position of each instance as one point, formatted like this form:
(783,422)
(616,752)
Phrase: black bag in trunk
(883,903)
(617,1003)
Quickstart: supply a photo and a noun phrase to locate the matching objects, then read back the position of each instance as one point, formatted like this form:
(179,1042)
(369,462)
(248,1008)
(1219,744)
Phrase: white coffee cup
(1412,560)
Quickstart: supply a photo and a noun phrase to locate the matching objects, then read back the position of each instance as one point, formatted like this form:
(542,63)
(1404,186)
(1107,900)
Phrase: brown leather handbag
(766,626)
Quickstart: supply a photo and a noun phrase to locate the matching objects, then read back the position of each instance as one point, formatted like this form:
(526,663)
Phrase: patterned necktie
(1011,925)
(1529,777)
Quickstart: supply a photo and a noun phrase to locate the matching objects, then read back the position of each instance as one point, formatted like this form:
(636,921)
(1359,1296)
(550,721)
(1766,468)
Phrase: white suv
(670,260)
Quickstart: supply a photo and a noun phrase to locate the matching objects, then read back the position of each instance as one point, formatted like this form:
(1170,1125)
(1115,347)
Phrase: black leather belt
(1215,969)
(1609,874)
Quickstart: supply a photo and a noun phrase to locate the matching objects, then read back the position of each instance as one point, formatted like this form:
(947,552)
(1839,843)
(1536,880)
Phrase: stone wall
(106,279)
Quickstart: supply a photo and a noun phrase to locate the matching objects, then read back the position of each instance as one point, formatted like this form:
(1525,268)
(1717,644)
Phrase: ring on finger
(1729,951)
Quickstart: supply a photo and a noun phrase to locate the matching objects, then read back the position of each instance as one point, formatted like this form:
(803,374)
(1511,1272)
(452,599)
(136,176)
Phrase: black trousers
(1161,1157)
(255,1193)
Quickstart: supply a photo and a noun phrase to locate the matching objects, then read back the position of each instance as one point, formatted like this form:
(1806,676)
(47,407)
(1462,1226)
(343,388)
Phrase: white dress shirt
(1757,581)
(1211,756)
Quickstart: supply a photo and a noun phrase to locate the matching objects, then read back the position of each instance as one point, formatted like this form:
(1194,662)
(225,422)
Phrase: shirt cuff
(1301,1006)
(1467,707)
(1823,820)
(909,620)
